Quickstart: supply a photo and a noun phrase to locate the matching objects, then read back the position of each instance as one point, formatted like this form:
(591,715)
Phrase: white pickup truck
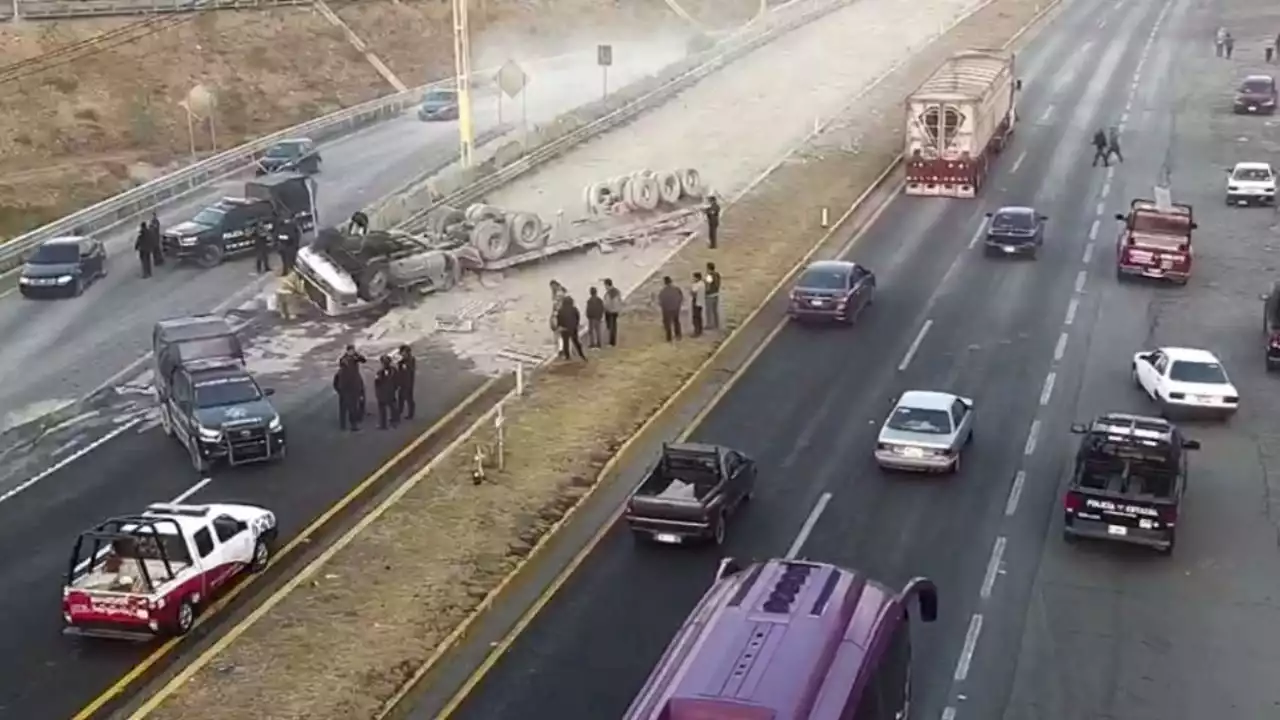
(141,576)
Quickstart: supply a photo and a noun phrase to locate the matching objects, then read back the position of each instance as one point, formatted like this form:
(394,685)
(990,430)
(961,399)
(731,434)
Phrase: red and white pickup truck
(142,576)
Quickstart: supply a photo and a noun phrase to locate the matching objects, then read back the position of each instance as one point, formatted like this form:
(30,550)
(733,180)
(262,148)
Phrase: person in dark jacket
(1113,143)
(353,357)
(143,247)
(712,211)
(612,308)
(1100,148)
(386,386)
(595,318)
(359,223)
(569,320)
(711,280)
(670,300)
(349,385)
(261,246)
(290,241)
(406,372)
(154,226)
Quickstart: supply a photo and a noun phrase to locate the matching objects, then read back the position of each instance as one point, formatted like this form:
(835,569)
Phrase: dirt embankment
(106,116)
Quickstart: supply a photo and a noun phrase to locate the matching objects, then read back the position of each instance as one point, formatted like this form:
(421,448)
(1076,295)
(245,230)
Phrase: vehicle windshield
(1255,174)
(209,216)
(226,391)
(918,420)
(285,150)
(824,279)
(1013,221)
(56,254)
(1255,86)
(436,97)
(1197,372)
(1162,224)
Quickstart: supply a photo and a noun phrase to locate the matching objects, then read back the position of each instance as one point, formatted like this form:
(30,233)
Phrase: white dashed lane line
(1072,307)
(1015,493)
(982,226)
(1018,163)
(1048,113)
(915,345)
(1047,391)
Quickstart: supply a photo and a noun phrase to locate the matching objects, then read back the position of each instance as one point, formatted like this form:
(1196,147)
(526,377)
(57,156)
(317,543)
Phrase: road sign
(604,55)
(511,78)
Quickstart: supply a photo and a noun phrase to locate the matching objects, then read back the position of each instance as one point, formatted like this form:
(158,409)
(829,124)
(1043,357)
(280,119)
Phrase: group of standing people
(288,240)
(147,245)
(1223,43)
(393,388)
(704,304)
(602,313)
(1105,144)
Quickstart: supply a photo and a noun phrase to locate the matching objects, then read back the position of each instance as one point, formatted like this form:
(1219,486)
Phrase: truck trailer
(958,121)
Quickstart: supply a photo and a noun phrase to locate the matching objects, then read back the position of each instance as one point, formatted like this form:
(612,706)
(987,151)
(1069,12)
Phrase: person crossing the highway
(406,373)
(1113,143)
(143,246)
(386,386)
(1100,148)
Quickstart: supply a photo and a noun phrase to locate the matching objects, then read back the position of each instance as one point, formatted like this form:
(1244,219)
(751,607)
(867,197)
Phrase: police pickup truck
(228,227)
(1129,480)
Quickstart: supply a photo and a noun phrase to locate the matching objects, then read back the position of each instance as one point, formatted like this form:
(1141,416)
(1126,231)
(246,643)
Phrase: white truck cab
(1251,182)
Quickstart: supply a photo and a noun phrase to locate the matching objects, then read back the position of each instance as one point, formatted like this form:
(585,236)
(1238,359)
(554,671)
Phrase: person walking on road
(712,280)
(406,373)
(712,211)
(1220,42)
(143,247)
(670,300)
(1100,148)
(385,387)
(1113,143)
(595,318)
(697,290)
(1228,44)
(569,320)
(612,308)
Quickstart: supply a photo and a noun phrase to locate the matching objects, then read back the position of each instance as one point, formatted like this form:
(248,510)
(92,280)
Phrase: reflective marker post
(499,422)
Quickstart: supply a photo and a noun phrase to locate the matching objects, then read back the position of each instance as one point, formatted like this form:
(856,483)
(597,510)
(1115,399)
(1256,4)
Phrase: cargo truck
(958,121)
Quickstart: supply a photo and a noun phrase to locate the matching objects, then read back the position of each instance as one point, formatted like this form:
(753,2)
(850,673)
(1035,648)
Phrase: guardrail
(49,9)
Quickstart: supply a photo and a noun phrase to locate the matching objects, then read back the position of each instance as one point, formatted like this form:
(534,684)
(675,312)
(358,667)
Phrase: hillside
(109,118)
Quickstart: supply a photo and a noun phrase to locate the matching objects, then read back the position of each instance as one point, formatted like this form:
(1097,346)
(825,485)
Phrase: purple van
(789,640)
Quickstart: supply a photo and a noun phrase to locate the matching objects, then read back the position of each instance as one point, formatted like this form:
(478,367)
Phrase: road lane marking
(1071,311)
(1047,391)
(977,234)
(1088,249)
(970,644)
(1018,163)
(29,483)
(1061,348)
(191,491)
(915,345)
(993,568)
(1015,493)
(1032,436)
(1100,209)
(1093,235)
(949,713)
(1081,277)
(1048,113)
(1111,173)
(809,523)
(1106,189)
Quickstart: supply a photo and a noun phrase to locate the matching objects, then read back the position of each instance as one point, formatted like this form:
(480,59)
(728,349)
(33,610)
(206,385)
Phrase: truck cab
(141,576)
(690,493)
(1155,241)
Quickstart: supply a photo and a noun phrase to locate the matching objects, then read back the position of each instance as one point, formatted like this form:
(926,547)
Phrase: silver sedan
(927,431)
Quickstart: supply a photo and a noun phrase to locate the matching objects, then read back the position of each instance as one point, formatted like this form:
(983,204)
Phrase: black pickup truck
(1129,481)
(690,494)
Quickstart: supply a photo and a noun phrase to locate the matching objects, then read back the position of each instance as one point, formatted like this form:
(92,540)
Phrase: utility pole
(462,68)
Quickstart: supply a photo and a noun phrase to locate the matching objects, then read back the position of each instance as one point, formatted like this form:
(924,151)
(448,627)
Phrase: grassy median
(347,639)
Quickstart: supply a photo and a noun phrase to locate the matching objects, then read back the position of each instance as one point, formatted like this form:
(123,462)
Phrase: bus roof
(779,640)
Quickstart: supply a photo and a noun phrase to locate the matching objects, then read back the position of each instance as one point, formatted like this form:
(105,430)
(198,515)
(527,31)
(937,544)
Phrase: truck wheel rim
(185,616)
(260,555)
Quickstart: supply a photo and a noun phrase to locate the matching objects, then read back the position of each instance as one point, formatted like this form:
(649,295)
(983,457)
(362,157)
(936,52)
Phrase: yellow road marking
(120,686)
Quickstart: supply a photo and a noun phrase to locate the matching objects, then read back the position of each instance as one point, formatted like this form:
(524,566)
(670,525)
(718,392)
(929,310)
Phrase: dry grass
(343,642)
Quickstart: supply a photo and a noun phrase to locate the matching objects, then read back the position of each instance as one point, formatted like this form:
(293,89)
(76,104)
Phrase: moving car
(141,576)
(296,154)
(1256,95)
(62,267)
(832,290)
(1015,231)
(1129,480)
(690,494)
(1155,241)
(1271,326)
(228,227)
(927,431)
(439,104)
(1185,380)
(1251,182)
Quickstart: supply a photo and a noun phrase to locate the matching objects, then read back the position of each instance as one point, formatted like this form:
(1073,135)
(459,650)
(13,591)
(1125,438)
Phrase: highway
(1029,627)
(65,349)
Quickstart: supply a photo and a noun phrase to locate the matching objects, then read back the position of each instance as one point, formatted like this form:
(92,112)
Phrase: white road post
(826,218)
(499,422)
(519,379)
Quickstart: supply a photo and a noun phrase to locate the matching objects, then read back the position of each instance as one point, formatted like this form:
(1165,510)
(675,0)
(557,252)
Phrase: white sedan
(1251,182)
(1184,379)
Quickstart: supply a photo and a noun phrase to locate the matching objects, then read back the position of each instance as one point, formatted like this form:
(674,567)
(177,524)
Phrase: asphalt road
(986,328)
(64,349)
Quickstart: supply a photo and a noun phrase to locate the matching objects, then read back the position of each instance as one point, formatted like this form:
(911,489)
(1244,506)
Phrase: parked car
(296,154)
(1015,231)
(1251,182)
(926,431)
(439,104)
(1256,96)
(1185,380)
(690,494)
(63,267)
(1271,326)
(832,290)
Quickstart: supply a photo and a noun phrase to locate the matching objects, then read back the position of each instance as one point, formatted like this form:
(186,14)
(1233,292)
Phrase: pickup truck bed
(690,493)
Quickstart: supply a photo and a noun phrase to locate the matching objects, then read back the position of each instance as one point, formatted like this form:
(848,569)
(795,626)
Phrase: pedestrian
(157,240)
(558,293)
(1220,41)
(712,211)
(697,290)
(261,246)
(612,308)
(407,372)
(354,358)
(595,318)
(1229,44)
(143,247)
(1100,148)
(348,383)
(569,321)
(385,387)
(359,224)
(712,280)
(289,289)
(670,299)
(290,240)
(1277,47)
(1113,143)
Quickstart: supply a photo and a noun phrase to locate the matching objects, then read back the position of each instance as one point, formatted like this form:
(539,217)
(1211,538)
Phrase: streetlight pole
(462,69)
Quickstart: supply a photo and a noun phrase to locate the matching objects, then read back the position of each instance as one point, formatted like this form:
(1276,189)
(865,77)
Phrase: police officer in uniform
(386,386)
(290,240)
(349,385)
(406,372)
(261,246)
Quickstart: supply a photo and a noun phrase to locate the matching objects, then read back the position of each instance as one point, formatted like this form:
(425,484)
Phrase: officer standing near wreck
(386,387)
(348,383)
(406,373)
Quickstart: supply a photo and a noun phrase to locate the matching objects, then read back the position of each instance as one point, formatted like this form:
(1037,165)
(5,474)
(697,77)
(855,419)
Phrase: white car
(927,432)
(1187,380)
(1251,182)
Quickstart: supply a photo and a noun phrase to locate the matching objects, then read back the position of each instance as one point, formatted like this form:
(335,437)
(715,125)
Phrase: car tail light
(1177,396)
(1071,502)
(1169,515)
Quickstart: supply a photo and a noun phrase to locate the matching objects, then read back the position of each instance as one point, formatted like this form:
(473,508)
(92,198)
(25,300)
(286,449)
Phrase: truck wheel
(1168,549)
(717,531)
(1068,537)
(166,423)
(197,460)
(210,256)
(184,617)
(261,556)
(372,283)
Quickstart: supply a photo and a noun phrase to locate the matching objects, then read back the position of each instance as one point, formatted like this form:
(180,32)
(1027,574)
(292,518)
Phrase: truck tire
(373,282)
(261,556)
(718,529)
(184,618)
(166,422)
(210,256)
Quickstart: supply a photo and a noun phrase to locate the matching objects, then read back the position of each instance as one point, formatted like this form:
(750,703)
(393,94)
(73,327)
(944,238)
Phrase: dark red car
(832,290)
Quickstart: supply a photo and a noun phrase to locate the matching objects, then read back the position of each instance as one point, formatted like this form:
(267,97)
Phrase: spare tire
(373,283)
(644,193)
(478,212)
(597,195)
(624,192)
(691,183)
(526,230)
(491,239)
(669,188)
